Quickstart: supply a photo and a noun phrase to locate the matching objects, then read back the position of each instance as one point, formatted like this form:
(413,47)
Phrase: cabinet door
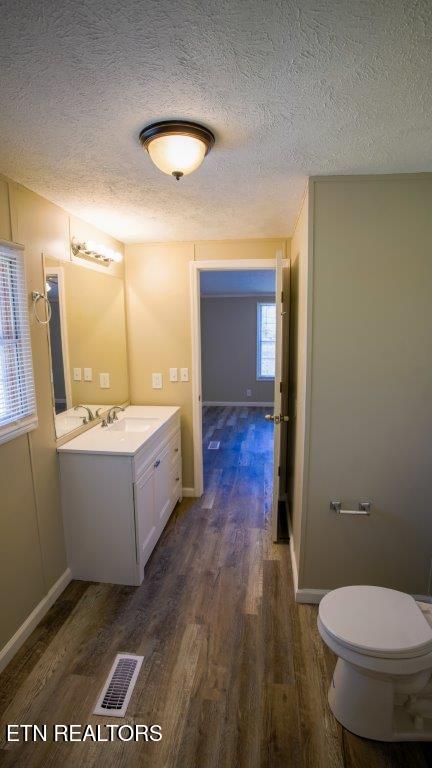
(145,517)
(162,484)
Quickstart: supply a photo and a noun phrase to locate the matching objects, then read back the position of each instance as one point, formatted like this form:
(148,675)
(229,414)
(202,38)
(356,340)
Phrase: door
(280,415)
(145,517)
(163,487)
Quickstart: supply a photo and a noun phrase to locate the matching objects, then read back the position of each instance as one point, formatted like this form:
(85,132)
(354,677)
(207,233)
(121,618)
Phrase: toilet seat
(376,622)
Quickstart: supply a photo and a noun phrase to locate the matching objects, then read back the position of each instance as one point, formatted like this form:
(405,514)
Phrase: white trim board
(31,622)
(188,493)
(247,403)
(314,596)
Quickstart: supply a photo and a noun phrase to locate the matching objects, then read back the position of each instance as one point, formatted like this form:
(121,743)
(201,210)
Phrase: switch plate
(88,374)
(184,374)
(77,374)
(157,380)
(248,393)
(173,373)
(104,379)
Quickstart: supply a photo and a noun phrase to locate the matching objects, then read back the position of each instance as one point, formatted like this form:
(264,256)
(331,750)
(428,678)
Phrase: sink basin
(130,424)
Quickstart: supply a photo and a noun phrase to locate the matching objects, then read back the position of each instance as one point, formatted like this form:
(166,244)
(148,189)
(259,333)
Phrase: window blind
(17,391)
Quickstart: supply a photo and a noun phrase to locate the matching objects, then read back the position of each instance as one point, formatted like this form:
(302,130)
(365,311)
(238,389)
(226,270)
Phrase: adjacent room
(215,384)
(238,351)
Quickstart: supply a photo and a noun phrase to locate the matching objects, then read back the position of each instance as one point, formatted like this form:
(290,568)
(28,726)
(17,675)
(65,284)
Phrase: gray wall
(371,384)
(228,346)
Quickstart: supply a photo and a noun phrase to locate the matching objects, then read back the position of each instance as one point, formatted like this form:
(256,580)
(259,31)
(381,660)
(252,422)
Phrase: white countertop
(113,440)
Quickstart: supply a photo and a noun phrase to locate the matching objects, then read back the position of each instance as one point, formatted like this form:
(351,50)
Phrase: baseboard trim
(246,404)
(31,622)
(311,596)
(188,492)
(314,596)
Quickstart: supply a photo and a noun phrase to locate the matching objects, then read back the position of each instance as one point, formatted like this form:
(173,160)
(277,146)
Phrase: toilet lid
(376,621)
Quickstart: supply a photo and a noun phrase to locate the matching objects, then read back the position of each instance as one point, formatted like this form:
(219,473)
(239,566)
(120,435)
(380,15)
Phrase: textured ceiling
(289,88)
(237,282)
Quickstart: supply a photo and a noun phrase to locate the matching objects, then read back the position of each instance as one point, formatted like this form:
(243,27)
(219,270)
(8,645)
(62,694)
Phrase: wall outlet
(173,374)
(184,374)
(77,374)
(248,393)
(157,381)
(88,374)
(104,379)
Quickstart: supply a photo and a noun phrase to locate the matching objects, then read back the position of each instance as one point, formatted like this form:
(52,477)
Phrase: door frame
(196,267)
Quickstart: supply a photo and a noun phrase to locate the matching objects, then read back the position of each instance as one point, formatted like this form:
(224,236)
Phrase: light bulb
(177,154)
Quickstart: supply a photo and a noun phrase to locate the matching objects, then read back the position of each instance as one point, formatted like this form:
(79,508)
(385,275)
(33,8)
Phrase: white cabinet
(115,507)
(162,486)
(146,518)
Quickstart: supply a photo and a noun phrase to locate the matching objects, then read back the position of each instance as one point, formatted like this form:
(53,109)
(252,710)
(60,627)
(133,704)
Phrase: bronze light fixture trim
(177,147)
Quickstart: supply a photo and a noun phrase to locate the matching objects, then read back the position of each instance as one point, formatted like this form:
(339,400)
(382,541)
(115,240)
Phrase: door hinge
(282,297)
(280,387)
(279,471)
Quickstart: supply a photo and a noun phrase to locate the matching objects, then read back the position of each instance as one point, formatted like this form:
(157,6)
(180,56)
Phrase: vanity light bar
(93,250)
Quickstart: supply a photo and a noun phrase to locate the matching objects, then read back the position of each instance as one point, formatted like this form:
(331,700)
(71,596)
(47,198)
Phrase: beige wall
(371,384)
(32,553)
(158,318)
(229,350)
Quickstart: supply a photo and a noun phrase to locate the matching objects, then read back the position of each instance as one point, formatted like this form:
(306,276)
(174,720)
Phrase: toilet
(382,683)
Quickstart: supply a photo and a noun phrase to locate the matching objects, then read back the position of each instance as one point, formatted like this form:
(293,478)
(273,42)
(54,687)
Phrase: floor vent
(214,445)
(115,695)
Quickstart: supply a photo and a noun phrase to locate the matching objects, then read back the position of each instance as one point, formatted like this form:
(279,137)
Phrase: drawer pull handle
(176,450)
(156,464)
(177,479)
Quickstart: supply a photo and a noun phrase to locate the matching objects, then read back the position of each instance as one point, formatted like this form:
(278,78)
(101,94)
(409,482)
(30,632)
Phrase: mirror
(87,339)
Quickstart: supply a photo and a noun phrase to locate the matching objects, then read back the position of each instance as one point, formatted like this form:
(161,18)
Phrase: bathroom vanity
(119,485)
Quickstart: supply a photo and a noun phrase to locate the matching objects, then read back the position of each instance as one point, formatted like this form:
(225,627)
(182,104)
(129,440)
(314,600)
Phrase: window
(17,393)
(266,341)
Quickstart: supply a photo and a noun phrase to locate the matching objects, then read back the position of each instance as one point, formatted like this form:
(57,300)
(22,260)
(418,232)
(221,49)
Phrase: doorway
(233,420)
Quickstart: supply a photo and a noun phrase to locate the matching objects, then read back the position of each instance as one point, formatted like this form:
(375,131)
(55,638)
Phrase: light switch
(88,374)
(184,374)
(157,380)
(77,374)
(104,379)
(173,374)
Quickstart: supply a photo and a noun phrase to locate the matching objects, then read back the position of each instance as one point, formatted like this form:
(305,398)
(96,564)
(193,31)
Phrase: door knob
(275,418)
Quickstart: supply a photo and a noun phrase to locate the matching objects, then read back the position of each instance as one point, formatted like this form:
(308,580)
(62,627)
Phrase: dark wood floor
(234,670)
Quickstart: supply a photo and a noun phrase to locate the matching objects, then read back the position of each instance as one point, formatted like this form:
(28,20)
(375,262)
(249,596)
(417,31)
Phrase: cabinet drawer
(175,448)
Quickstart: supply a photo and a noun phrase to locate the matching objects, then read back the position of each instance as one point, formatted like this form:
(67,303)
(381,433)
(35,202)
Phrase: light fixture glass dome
(177,154)
(177,147)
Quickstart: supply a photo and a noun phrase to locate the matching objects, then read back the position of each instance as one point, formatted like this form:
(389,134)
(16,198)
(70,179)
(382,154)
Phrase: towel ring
(36,296)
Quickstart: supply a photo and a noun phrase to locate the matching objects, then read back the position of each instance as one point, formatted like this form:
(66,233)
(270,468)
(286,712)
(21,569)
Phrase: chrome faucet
(86,408)
(112,414)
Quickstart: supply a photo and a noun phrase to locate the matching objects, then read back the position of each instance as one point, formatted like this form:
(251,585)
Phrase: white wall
(229,350)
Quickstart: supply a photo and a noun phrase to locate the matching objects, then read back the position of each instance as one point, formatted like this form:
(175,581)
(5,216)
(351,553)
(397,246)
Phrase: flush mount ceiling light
(177,147)
(90,249)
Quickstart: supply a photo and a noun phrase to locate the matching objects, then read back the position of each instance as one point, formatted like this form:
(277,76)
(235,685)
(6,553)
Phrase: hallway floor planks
(234,670)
